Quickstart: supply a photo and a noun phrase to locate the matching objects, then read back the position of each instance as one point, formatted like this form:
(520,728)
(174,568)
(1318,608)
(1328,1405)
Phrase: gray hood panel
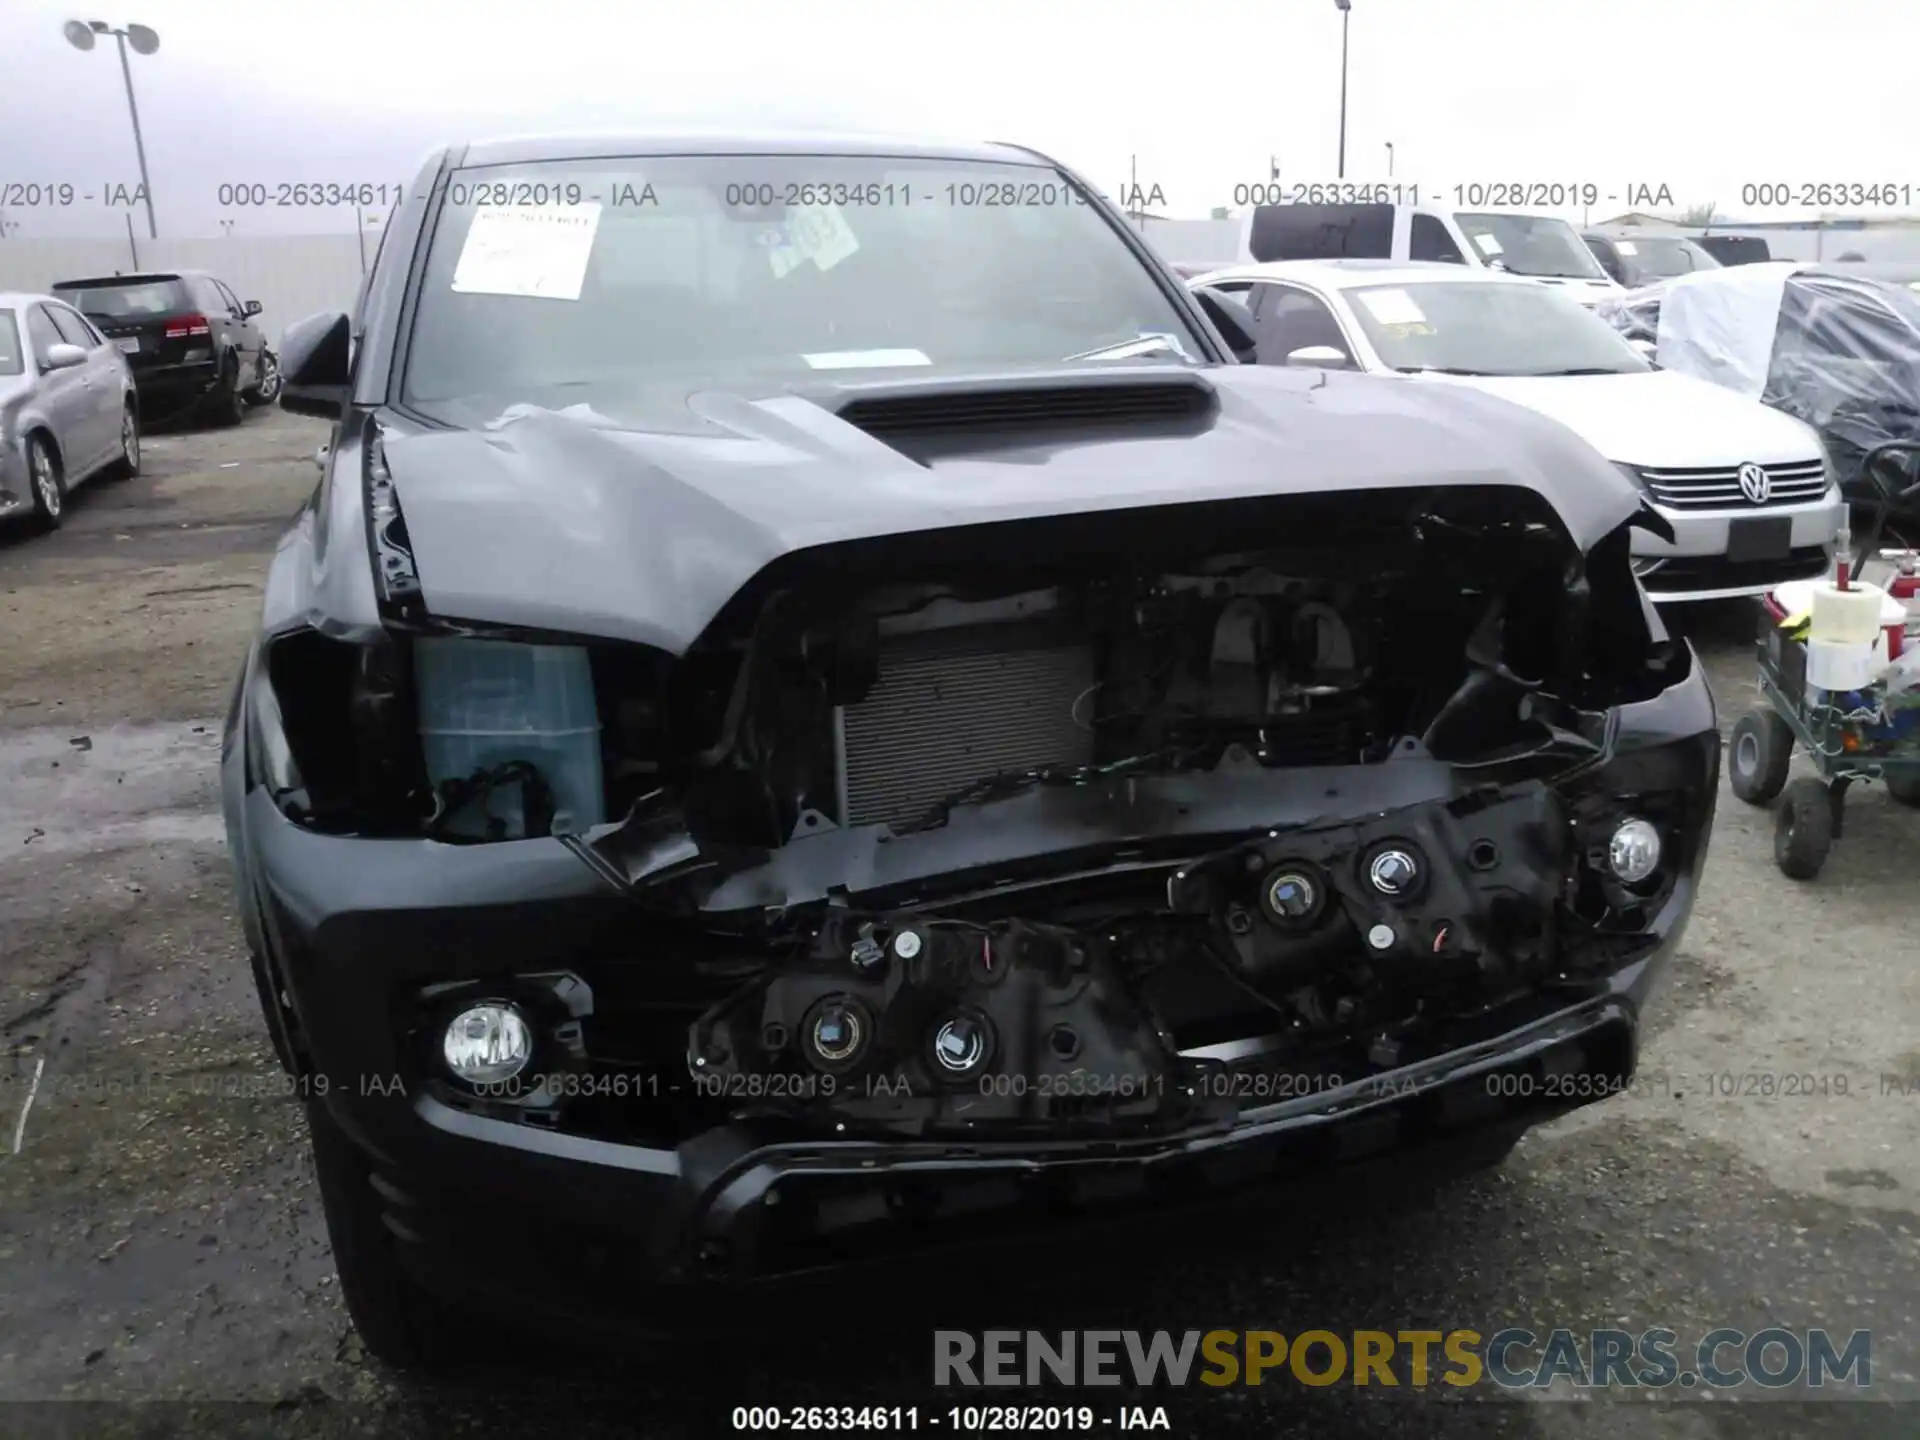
(557,520)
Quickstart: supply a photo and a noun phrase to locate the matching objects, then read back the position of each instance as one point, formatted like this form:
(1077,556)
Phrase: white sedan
(1748,490)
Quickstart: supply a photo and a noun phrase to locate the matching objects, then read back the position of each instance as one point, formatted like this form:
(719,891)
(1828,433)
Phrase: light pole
(1389,145)
(1345,7)
(80,35)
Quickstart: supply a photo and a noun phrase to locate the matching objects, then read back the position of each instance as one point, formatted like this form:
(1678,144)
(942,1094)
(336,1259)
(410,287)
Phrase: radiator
(955,706)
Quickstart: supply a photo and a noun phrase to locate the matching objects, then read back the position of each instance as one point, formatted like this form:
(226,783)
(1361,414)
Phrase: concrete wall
(1194,242)
(291,276)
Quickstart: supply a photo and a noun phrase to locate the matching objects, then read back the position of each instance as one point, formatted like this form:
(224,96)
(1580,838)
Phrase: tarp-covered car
(1838,350)
(817,710)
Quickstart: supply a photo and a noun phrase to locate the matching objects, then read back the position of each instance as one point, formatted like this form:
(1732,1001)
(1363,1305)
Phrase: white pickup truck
(1534,244)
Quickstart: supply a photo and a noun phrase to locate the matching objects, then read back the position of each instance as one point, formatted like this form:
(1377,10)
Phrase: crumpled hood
(559,521)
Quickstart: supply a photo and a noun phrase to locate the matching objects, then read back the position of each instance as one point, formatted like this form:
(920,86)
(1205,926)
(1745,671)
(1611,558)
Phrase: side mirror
(63,357)
(252,309)
(315,365)
(1318,357)
(1233,320)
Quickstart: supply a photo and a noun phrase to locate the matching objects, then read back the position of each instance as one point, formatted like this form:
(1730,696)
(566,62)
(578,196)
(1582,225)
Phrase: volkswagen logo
(1755,483)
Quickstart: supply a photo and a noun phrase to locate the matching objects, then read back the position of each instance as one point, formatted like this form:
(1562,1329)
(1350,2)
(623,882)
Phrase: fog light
(1634,851)
(487,1044)
(963,1044)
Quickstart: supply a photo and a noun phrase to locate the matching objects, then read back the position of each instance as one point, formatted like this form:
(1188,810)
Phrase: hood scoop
(1007,410)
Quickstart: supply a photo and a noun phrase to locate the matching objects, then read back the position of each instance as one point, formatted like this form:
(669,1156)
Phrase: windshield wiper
(1583,370)
(1437,370)
(1140,345)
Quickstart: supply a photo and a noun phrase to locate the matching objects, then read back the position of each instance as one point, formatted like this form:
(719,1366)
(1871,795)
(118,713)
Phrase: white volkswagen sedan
(1748,490)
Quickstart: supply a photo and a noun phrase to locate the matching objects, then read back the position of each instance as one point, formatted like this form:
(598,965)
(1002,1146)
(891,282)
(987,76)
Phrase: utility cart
(1866,732)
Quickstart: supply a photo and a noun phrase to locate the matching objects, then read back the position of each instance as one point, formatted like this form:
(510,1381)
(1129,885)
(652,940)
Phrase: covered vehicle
(1836,349)
(812,715)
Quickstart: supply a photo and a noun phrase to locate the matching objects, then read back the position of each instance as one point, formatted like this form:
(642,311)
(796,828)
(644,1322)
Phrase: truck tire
(400,1323)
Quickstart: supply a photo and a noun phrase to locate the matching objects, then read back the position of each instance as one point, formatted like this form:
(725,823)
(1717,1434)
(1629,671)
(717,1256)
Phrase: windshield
(11,362)
(1485,327)
(1532,245)
(626,284)
(1662,257)
(133,301)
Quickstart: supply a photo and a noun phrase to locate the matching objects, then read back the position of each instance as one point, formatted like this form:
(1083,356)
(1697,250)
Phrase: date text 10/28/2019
(1470,195)
(963,1419)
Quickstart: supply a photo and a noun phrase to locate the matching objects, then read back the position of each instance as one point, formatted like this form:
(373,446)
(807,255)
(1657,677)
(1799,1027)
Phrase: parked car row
(1747,496)
(189,340)
(84,366)
(1836,348)
(1539,247)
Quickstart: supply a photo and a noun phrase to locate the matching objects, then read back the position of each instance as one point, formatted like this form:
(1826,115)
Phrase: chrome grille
(1719,488)
(956,706)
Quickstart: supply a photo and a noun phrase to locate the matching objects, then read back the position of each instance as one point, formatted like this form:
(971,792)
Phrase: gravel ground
(163,1266)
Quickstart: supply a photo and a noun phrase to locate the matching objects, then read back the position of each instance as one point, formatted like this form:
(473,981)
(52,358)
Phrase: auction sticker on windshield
(819,233)
(1392,307)
(1626,247)
(1489,244)
(539,251)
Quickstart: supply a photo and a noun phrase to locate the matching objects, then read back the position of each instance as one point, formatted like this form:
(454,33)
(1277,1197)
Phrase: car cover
(1723,331)
(1837,350)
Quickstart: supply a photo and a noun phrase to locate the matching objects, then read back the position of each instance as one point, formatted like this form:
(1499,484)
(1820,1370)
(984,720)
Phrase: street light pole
(80,34)
(1389,159)
(1346,16)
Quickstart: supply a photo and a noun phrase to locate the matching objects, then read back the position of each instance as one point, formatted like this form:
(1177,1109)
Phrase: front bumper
(1695,564)
(577,1228)
(526,1210)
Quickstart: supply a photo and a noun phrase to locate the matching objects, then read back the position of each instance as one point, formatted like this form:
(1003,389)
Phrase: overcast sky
(1699,96)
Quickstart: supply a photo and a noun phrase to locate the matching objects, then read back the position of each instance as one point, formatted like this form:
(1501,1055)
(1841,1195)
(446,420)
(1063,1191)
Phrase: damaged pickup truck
(817,712)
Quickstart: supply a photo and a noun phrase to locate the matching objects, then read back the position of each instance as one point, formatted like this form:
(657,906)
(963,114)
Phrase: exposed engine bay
(899,1020)
(1101,843)
(1189,969)
(894,706)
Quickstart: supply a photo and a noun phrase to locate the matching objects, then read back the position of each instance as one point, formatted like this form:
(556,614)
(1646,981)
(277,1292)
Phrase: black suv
(188,340)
